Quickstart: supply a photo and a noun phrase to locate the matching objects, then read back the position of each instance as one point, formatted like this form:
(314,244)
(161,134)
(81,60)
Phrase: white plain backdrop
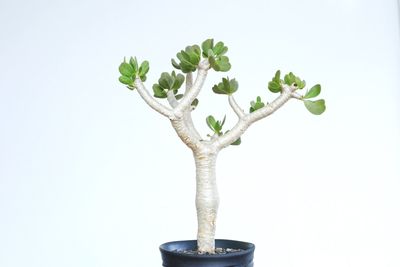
(91,177)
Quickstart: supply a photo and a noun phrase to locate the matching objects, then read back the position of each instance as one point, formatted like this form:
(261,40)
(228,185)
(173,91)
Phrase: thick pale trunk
(207,200)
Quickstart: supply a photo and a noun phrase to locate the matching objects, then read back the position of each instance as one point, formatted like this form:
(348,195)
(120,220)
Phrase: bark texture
(207,200)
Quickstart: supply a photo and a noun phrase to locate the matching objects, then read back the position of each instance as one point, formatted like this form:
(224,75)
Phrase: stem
(153,103)
(247,120)
(235,106)
(193,92)
(207,200)
(188,114)
(186,135)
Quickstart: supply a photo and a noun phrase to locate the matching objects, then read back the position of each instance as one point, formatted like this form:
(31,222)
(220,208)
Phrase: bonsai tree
(182,102)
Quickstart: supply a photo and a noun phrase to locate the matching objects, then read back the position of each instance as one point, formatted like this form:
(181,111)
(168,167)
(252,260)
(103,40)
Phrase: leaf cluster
(316,107)
(275,85)
(226,87)
(188,59)
(255,105)
(216,55)
(216,127)
(293,80)
(166,83)
(131,70)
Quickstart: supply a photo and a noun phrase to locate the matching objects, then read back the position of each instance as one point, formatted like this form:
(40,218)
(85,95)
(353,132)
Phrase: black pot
(172,258)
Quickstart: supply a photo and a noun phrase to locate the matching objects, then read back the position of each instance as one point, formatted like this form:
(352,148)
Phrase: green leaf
(126,80)
(207,45)
(224,50)
(190,56)
(196,49)
(277,77)
(178,81)
(211,59)
(144,68)
(211,122)
(166,81)
(289,78)
(159,92)
(315,107)
(237,142)
(221,64)
(219,90)
(193,53)
(185,65)
(225,83)
(233,86)
(195,103)
(218,48)
(301,84)
(179,96)
(126,69)
(183,56)
(175,64)
(134,64)
(215,126)
(313,92)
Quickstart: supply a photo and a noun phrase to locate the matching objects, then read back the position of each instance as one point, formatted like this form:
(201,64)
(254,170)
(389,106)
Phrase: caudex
(182,102)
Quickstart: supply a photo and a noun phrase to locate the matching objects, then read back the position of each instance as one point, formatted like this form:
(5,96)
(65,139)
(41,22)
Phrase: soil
(218,251)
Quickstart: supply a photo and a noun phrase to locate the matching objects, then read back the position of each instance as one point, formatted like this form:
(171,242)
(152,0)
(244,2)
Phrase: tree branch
(184,125)
(189,81)
(171,99)
(187,118)
(238,110)
(297,96)
(194,91)
(245,122)
(186,134)
(153,103)
(188,114)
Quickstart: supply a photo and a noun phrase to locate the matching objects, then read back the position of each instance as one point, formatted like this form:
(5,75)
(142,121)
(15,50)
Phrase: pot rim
(245,246)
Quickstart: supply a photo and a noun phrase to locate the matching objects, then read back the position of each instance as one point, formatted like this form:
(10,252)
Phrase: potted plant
(206,251)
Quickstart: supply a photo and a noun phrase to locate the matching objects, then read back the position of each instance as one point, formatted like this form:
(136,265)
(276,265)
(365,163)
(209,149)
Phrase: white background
(90,176)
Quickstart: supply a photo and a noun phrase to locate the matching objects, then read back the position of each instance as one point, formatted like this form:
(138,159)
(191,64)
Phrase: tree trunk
(207,200)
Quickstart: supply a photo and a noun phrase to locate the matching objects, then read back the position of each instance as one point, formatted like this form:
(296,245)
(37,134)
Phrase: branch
(194,91)
(245,122)
(238,110)
(171,99)
(187,118)
(297,96)
(153,103)
(186,134)
(183,125)
(189,81)
(188,113)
